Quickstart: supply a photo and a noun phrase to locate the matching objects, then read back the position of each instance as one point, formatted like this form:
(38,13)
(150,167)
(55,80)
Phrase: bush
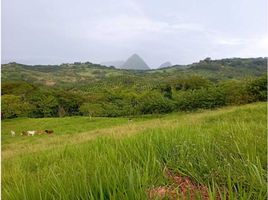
(205,98)
(153,102)
(129,98)
(257,89)
(17,88)
(70,102)
(191,83)
(46,105)
(14,106)
(235,92)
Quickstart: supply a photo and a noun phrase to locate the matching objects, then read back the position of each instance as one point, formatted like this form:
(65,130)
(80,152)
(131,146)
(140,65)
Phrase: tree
(46,105)
(90,109)
(61,111)
(257,89)
(17,88)
(192,82)
(69,101)
(207,59)
(14,106)
(166,90)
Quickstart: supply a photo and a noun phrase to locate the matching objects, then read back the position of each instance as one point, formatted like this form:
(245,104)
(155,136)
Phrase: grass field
(220,154)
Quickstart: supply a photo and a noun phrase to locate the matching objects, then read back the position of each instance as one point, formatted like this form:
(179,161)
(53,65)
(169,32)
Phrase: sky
(179,31)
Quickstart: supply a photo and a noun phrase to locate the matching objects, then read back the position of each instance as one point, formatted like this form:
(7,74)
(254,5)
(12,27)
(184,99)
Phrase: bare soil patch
(182,188)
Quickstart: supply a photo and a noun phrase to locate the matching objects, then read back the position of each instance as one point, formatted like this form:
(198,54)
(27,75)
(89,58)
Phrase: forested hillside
(96,90)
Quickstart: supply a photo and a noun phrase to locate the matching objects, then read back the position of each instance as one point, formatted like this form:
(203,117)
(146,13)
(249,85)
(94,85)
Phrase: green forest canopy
(95,90)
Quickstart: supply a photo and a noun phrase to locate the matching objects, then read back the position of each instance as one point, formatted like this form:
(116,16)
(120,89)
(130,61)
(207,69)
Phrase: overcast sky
(179,31)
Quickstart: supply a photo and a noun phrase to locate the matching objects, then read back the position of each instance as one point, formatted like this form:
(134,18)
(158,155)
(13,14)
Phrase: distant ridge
(87,72)
(117,63)
(166,64)
(135,62)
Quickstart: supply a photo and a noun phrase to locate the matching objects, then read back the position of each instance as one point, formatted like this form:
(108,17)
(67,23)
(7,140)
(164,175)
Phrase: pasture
(218,154)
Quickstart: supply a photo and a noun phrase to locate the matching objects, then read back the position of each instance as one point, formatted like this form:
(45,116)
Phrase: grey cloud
(56,31)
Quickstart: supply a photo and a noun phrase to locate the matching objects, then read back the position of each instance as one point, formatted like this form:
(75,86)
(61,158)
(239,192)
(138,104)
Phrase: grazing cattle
(40,132)
(31,133)
(49,131)
(23,133)
(12,133)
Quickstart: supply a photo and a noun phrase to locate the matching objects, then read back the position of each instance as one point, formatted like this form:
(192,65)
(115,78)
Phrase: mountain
(166,64)
(135,62)
(117,63)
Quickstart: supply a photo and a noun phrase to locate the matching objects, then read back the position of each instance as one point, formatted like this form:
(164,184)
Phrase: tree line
(23,99)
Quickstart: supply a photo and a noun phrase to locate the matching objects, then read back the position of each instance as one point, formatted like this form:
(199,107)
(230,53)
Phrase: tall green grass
(227,151)
(66,125)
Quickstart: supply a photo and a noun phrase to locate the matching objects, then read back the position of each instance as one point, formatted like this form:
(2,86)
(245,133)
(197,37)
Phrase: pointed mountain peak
(165,64)
(135,55)
(135,62)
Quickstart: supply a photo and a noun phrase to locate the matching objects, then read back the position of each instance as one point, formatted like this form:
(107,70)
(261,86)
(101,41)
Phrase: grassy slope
(225,148)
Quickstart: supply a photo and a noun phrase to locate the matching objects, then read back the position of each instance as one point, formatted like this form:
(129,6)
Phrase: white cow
(32,133)
(12,133)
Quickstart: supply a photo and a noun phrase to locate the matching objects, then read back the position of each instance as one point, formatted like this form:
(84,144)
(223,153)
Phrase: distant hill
(117,63)
(75,74)
(166,64)
(135,62)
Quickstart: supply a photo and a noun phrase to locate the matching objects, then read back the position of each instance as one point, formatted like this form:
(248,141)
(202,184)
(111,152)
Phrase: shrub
(153,102)
(191,83)
(14,106)
(205,98)
(257,89)
(235,92)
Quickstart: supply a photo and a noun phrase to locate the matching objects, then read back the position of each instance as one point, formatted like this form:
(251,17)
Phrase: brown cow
(49,131)
(40,132)
(23,133)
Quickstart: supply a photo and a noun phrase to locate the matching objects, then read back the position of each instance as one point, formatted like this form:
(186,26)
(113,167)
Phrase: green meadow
(222,153)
